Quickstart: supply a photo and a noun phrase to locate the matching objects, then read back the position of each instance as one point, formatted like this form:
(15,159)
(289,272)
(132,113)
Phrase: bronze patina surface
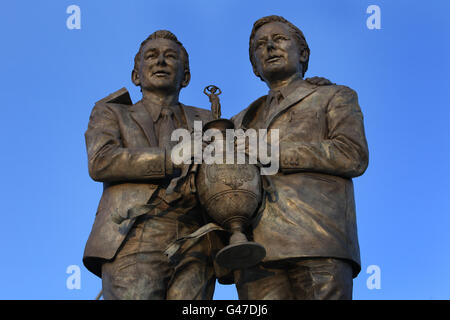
(128,148)
(230,194)
(153,235)
(308,225)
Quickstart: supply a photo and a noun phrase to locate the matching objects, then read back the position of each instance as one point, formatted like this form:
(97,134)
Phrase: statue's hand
(255,151)
(319,81)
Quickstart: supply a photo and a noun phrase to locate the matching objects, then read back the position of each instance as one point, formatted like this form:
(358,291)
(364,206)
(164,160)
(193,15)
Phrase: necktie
(166,127)
(275,97)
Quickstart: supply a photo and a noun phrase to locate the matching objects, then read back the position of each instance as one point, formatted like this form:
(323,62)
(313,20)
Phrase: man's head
(277,49)
(162,63)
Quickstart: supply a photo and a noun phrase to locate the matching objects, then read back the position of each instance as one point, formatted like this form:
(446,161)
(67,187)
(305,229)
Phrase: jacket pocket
(297,115)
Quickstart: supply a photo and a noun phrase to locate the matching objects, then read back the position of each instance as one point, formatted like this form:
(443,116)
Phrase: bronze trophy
(230,194)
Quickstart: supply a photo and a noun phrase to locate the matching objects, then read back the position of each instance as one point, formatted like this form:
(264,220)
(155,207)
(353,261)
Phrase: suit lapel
(145,122)
(243,119)
(297,95)
(191,115)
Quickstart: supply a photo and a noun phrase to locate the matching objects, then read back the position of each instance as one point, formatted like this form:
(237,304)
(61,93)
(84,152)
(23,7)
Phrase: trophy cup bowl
(231,194)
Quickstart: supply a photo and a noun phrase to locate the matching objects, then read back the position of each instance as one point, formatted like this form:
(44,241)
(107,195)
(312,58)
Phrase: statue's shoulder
(237,119)
(334,89)
(119,97)
(345,90)
(118,102)
(203,114)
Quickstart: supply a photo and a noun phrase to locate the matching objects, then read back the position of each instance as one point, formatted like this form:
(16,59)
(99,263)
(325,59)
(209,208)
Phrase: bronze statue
(152,238)
(308,225)
(128,147)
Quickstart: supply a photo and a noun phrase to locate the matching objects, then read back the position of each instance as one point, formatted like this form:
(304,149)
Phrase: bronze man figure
(128,148)
(308,225)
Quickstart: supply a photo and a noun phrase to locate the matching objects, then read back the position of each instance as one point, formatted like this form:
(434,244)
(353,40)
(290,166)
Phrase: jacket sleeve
(110,161)
(344,150)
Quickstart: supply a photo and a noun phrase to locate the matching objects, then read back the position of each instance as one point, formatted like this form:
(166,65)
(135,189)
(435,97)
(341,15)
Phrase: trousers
(141,271)
(298,279)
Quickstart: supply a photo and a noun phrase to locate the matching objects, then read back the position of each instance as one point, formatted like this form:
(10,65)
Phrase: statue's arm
(343,153)
(109,160)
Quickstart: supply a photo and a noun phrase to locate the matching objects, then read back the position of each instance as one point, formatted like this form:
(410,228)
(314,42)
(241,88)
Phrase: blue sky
(52,76)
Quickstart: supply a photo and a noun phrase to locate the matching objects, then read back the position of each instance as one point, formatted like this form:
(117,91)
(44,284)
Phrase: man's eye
(279,38)
(260,44)
(151,55)
(171,56)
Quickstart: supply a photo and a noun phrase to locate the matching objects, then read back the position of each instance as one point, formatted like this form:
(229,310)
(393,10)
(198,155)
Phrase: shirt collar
(155,110)
(287,89)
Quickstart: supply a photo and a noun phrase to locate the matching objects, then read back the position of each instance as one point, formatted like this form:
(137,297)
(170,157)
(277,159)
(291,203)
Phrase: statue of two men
(307,223)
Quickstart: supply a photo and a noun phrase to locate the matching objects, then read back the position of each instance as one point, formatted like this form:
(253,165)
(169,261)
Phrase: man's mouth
(161,73)
(273,59)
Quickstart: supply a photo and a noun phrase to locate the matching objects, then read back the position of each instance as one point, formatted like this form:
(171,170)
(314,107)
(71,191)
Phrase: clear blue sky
(51,77)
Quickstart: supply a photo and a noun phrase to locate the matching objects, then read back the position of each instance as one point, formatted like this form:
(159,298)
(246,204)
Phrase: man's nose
(161,60)
(270,45)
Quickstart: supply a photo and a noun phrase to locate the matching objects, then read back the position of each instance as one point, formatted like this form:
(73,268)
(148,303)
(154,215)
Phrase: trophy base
(241,255)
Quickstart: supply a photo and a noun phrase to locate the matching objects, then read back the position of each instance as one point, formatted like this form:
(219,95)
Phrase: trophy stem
(240,253)
(236,228)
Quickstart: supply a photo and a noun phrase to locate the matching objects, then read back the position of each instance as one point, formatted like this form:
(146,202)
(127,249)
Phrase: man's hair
(295,32)
(161,34)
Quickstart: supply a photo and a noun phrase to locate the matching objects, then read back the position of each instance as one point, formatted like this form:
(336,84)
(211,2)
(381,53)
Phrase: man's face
(161,66)
(276,52)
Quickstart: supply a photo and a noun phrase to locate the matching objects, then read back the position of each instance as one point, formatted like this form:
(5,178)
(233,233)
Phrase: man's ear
(255,71)
(135,78)
(187,79)
(304,56)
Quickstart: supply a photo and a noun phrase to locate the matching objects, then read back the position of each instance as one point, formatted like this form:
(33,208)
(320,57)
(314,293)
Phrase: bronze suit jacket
(311,212)
(123,153)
